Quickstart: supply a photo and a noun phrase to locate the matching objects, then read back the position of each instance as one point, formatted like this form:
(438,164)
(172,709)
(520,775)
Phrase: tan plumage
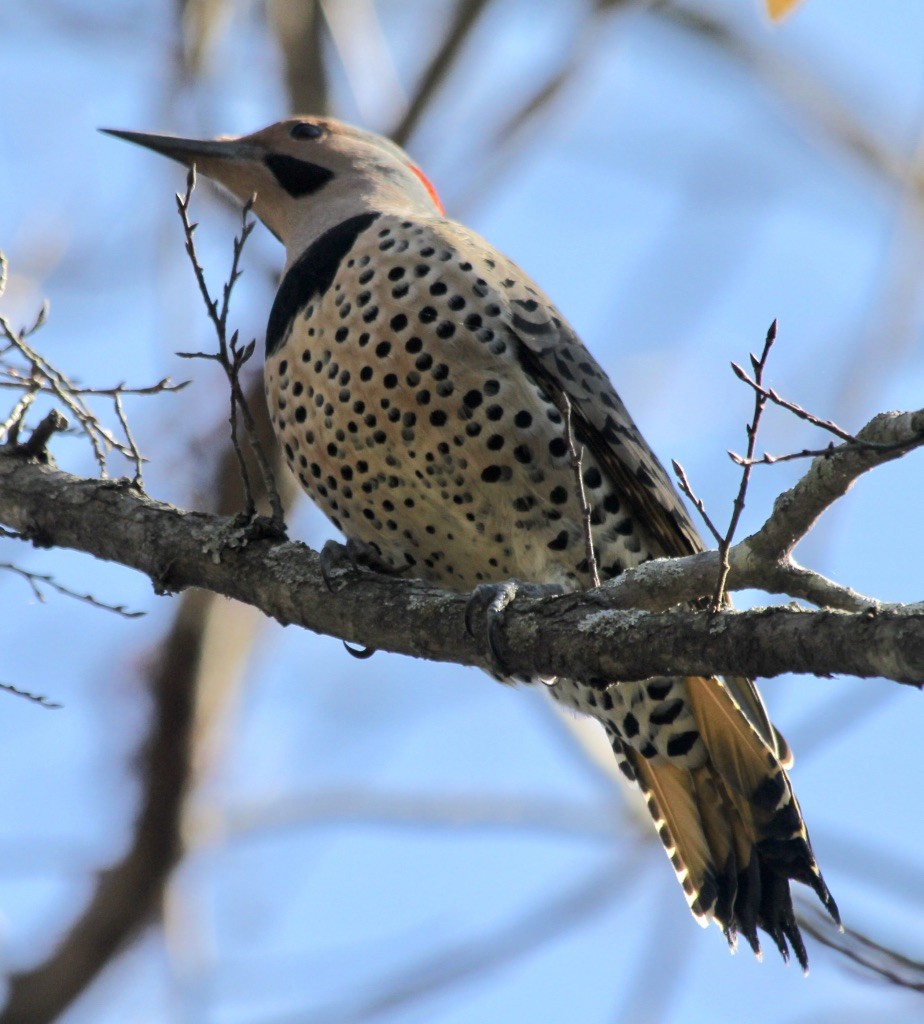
(673,804)
(412,375)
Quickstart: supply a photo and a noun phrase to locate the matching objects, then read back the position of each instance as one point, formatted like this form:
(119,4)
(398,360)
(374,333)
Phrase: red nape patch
(428,185)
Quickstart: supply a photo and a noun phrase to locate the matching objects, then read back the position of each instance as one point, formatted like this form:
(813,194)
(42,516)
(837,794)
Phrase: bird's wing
(555,357)
(551,353)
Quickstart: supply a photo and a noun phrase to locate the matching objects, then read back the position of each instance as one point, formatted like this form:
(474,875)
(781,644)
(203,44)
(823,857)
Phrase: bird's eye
(306,130)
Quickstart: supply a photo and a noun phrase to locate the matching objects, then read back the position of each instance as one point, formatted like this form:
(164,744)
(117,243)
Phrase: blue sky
(359,827)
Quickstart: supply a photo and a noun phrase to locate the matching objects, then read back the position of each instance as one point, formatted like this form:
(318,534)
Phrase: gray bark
(580,635)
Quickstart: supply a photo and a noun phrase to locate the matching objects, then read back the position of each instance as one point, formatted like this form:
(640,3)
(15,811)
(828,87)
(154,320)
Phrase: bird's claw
(360,653)
(360,556)
(492,600)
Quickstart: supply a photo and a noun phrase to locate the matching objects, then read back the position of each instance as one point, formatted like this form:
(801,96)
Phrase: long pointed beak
(188,151)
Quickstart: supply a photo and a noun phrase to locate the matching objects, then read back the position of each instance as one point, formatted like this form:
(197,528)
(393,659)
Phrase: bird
(426,393)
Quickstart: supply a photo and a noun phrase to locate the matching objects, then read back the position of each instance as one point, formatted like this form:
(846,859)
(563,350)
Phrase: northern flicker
(413,376)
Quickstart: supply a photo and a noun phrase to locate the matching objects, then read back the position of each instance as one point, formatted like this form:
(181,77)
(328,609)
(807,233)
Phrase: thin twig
(37,580)
(724,540)
(35,698)
(59,385)
(10,426)
(769,395)
(16,380)
(830,449)
(229,355)
(137,457)
(40,377)
(687,488)
(577,466)
(760,401)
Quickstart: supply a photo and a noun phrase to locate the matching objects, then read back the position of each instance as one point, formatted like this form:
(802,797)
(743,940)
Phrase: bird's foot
(360,556)
(492,601)
(260,527)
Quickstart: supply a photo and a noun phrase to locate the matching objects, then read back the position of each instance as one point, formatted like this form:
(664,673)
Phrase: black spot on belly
(558,447)
(491,474)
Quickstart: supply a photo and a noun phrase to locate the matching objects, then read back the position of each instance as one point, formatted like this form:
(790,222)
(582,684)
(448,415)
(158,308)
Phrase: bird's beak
(190,151)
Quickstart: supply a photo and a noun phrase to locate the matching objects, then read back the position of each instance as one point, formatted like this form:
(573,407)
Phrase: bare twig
(769,395)
(577,465)
(35,698)
(61,386)
(760,401)
(39,376)
(14,379)
(877,442)
(10,426)
(37,580)
(724,540)
(830,449)
(137,457)
(687,488)
(230,356)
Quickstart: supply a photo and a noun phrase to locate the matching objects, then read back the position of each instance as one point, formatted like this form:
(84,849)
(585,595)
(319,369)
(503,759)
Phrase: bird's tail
(732,826)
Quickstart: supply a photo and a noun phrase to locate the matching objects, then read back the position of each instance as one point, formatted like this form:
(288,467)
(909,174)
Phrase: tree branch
(578,635)
(890,435)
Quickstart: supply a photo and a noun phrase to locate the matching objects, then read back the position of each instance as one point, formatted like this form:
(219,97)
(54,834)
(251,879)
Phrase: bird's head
(308,173)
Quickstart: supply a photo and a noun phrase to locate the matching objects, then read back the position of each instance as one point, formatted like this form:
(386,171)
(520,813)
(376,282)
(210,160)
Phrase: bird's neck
(339,203)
